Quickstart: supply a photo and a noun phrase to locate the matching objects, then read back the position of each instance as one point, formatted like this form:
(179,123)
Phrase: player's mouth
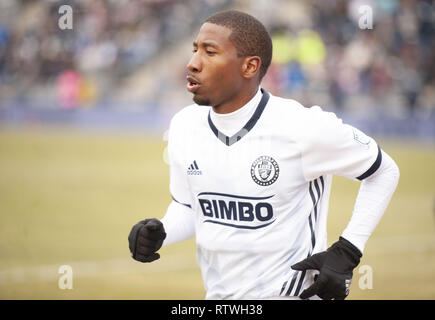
(193,84)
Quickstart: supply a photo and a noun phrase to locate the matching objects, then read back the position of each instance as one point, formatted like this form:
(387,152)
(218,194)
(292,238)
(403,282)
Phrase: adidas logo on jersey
(193,170)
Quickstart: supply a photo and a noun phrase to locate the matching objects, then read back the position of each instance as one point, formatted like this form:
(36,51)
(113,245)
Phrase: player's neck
(237,102)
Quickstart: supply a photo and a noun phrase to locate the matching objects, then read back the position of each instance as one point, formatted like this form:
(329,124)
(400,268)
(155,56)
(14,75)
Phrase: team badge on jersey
(264,171)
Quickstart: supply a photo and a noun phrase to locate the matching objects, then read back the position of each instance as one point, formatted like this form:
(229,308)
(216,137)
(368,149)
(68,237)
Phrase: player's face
(214,75)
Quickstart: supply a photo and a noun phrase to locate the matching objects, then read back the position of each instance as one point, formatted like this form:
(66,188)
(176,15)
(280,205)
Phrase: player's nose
(195,64)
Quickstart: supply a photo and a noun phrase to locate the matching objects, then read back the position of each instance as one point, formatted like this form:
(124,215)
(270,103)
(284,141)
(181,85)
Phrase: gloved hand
(336,269)
(145,238)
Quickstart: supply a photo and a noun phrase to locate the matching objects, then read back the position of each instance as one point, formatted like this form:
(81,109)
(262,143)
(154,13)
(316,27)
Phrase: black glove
(336,269)
(145,238)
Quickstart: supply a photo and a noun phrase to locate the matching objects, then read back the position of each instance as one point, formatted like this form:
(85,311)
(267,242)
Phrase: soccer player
(250,177)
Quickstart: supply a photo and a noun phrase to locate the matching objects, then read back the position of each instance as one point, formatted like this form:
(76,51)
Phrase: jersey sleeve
(179,223)
(178,184)
(332,147)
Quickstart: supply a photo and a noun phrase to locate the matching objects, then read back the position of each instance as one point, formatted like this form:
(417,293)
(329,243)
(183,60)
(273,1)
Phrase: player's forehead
(213,34)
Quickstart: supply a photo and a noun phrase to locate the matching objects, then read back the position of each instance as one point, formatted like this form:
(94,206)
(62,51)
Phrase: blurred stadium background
(83,115)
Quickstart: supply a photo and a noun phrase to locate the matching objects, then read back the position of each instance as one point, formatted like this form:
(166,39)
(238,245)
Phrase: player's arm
(179,223)
(373,197)
(148,236)
(336,148)
(337,263)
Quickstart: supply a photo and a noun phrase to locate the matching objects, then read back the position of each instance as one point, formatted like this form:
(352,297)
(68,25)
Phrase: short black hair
(249,36)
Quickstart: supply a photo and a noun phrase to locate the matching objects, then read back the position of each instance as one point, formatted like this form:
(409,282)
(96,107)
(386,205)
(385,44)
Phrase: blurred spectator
(68,85)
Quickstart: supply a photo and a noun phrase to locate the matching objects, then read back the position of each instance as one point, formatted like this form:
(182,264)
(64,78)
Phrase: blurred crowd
(336,53)
(108,41)
(344,54)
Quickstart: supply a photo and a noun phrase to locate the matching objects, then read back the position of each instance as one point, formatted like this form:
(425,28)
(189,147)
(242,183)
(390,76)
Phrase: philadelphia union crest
(264,171)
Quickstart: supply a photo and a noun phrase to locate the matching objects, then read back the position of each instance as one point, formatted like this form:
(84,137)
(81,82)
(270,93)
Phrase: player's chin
(201,100)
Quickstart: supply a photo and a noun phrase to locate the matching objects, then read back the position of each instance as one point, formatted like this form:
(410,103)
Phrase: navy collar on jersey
(248,126)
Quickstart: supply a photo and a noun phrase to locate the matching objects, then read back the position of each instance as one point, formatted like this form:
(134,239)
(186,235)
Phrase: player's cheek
(225,78)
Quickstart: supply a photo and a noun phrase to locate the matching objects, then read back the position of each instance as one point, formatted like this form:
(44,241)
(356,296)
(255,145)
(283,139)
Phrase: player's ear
(251,66)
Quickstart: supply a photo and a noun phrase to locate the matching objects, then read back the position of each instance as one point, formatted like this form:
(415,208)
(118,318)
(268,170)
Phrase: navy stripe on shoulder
(375,166)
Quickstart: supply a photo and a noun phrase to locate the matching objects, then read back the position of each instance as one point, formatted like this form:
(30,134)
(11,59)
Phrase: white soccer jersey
(260,197)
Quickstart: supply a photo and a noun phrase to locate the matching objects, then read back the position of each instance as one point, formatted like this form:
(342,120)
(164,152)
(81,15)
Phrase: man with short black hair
(250,177)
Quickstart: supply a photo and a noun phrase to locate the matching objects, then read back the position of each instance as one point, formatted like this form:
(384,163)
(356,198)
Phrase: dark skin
(217,76)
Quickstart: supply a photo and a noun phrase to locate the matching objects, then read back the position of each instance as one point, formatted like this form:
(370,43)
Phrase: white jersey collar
(230,123)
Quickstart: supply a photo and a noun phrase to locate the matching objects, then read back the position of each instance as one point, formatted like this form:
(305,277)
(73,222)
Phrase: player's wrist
(352,251)
(344,256)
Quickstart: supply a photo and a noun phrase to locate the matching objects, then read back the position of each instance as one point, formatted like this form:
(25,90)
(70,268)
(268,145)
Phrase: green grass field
(70,198)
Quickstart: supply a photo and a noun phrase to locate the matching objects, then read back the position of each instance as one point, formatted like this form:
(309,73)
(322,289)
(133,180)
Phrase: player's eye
(194,50)
(210,52)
